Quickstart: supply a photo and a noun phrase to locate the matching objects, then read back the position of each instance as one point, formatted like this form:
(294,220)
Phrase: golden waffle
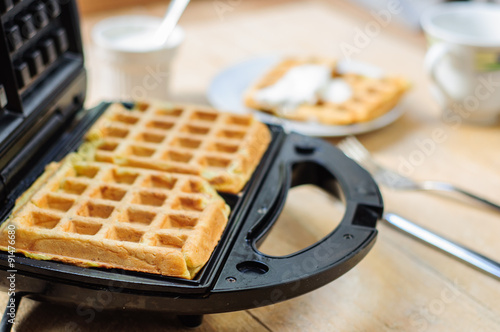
(372,97)
(221,147)
(104,215)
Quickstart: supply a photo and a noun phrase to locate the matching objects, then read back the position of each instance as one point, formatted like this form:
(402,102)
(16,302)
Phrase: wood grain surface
(402,285)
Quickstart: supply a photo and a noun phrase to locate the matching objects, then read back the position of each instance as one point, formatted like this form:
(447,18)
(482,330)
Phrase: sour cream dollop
(305,84)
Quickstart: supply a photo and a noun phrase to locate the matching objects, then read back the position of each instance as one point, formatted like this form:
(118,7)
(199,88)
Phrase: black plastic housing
(42,90)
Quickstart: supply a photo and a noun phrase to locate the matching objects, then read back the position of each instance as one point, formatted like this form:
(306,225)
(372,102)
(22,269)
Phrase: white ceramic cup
(463,58)
(130,65)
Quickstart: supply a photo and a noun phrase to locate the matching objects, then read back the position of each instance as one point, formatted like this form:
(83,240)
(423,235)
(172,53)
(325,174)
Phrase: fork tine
(355,150)
(350,146)
(357,145)
(345,146)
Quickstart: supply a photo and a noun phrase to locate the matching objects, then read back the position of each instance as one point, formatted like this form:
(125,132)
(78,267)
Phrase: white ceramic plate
(227,89)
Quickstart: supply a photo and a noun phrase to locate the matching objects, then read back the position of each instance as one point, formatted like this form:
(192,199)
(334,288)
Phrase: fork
(389,178)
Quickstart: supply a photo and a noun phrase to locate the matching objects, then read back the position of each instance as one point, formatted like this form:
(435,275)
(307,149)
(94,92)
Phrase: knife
(464,254)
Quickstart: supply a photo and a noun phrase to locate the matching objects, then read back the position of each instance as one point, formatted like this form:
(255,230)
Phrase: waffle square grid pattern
(221,147)
(103,215)
(135,195)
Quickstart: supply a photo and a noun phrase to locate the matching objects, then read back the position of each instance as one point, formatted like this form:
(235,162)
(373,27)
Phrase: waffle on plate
(369,96)
(133,196)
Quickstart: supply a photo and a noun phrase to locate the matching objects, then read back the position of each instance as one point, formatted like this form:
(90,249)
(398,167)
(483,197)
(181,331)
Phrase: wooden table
(402,284)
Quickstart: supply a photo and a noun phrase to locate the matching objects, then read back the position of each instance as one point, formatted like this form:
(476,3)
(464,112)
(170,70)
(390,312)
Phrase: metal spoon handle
(467,255)
(174,13)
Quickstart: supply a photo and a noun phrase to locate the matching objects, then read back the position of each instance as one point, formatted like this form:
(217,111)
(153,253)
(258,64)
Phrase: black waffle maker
(42,90)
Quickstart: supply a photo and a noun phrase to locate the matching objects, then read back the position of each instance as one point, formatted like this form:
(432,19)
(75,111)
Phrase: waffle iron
(42,90)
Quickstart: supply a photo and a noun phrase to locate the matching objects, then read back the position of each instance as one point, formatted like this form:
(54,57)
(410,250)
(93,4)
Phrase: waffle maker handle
(251,278)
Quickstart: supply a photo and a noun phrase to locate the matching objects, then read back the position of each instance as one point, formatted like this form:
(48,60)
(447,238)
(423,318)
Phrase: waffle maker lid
(42,80)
